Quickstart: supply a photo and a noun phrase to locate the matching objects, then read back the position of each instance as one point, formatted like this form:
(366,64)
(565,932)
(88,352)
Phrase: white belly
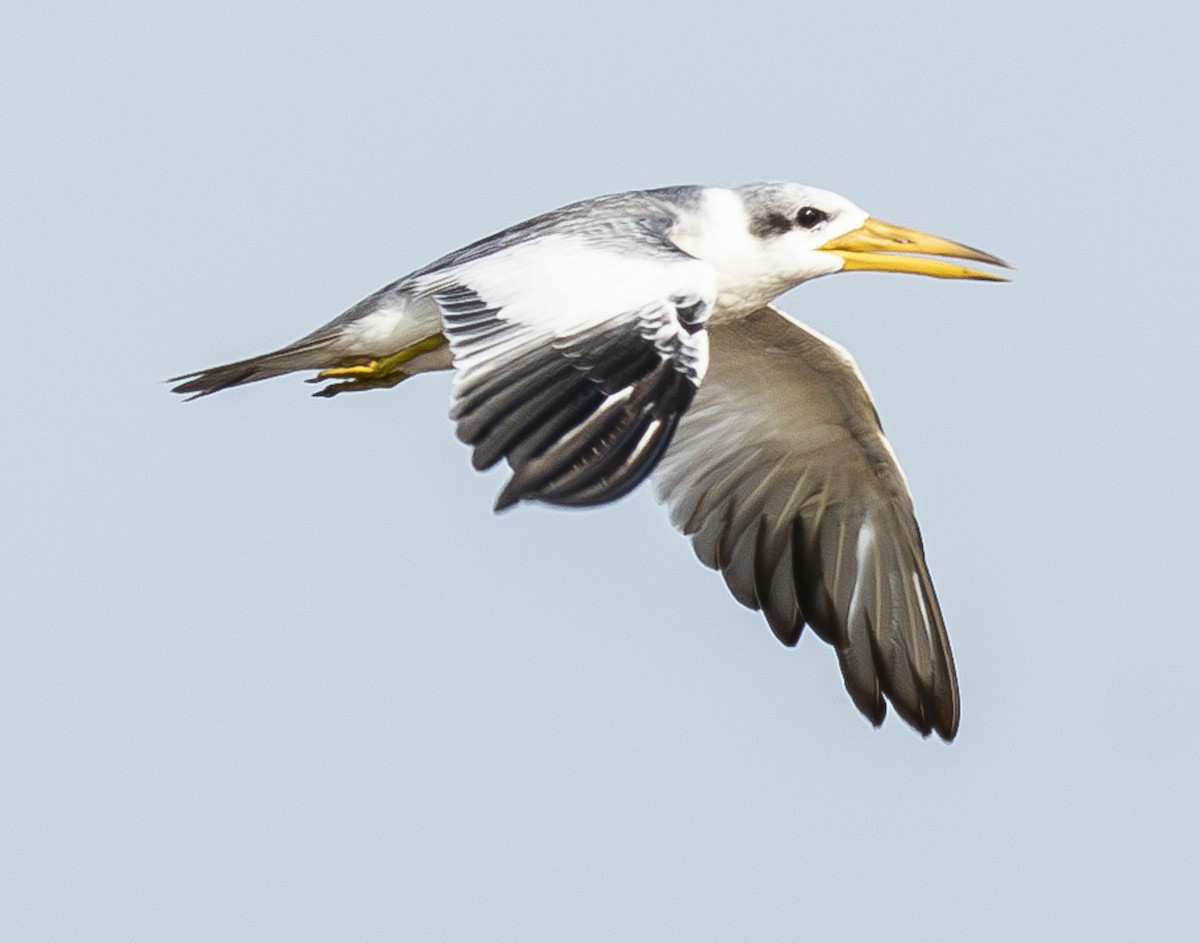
(397,323)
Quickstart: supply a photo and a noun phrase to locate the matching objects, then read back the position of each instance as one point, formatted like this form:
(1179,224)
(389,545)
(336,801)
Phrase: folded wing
(782,477)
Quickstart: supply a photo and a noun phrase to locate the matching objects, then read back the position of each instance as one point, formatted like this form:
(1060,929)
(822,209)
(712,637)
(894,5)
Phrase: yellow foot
(359,383)
(374,374)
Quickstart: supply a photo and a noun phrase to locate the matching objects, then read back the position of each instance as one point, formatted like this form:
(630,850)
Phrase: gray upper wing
(638,219)
(782,477)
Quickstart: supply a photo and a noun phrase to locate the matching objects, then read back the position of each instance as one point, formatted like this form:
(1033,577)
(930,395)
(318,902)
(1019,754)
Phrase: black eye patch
(771,224)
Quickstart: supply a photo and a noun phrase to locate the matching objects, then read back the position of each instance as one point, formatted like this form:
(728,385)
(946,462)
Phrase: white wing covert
(574,363)
(782,477)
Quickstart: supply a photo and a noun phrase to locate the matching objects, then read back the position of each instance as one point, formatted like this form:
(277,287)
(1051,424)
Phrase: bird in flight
(634,335)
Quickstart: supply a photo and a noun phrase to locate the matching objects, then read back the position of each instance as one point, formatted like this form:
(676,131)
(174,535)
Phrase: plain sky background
(271,669)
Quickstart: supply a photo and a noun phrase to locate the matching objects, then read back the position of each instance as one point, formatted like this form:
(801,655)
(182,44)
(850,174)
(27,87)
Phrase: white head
(765,238)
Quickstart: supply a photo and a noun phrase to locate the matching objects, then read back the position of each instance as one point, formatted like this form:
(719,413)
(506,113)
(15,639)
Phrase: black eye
(810,216)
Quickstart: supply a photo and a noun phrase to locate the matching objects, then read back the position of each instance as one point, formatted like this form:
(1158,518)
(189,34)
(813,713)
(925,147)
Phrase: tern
(633,335)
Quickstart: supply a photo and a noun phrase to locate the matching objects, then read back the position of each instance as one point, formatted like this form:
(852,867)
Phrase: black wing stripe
(554,423)
(576,459)
(552,387)
(531,478)
(478,413)
(617,375)
(582,418)
(522,373)
(531,426)
(642,433)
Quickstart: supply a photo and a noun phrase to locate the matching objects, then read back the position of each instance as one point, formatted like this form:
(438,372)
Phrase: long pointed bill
(877,246)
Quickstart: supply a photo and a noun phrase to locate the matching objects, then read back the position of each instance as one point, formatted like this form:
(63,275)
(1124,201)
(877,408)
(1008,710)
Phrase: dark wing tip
(508,497)
(932,714)
(868,699)
(927,709)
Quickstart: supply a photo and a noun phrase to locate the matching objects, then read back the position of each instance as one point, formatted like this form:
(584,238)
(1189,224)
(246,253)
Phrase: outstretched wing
(782,477)
(574,362)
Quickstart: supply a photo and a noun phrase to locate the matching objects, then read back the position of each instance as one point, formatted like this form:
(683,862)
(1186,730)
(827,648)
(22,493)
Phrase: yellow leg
(375,374)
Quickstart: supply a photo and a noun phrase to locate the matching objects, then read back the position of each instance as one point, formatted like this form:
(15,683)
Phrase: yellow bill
(877,246)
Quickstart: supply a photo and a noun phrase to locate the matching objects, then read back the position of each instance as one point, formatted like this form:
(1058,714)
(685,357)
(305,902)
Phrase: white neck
(748,273)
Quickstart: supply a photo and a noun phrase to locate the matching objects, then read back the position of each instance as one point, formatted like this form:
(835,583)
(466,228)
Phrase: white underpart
(396,323)
(718,232)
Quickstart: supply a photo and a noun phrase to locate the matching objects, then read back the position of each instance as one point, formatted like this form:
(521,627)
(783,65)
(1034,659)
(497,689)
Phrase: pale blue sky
(270,669)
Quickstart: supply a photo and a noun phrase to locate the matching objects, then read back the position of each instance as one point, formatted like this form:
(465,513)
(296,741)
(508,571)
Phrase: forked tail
(304,355)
